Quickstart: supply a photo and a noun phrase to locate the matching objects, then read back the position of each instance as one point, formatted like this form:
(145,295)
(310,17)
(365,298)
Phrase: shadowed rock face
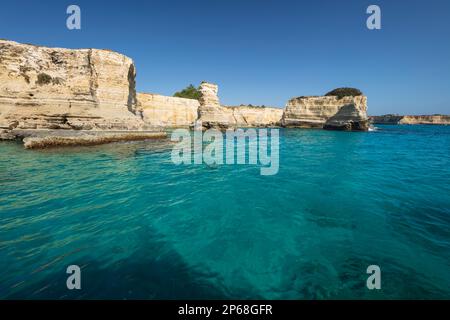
(386,119)
(54,88)
(329,112)
(348,118)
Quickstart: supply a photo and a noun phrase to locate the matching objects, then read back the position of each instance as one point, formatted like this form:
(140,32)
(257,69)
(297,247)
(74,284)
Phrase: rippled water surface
(141,227)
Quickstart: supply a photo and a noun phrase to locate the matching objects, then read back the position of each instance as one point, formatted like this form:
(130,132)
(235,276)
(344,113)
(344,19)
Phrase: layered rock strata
(54,88)
(330,112)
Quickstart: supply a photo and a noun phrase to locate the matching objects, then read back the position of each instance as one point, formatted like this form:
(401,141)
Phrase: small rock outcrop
(325,112)
(55,88)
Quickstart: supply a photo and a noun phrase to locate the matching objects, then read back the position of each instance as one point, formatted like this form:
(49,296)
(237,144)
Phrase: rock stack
(329,112)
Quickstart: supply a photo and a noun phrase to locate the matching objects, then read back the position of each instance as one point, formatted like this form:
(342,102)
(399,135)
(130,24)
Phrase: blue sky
(262,51)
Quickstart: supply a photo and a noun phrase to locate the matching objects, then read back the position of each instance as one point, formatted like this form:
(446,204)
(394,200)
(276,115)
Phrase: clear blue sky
(262,51)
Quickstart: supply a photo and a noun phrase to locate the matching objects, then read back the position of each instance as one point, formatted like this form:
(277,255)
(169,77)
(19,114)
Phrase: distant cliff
(437,119)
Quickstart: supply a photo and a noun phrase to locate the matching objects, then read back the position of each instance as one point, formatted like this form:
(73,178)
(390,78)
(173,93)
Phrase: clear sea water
(141,227)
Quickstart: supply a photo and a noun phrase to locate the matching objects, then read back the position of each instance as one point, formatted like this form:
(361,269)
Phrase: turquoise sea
(142,228)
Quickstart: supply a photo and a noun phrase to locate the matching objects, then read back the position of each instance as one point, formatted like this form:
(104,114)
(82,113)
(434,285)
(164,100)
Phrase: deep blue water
(141,227)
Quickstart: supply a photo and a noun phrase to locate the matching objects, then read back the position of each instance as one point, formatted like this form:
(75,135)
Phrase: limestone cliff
(250,116)
(431,119)
(163,111)
(55,88)
(437,119)
(90,89)
(213,115)
(330,112)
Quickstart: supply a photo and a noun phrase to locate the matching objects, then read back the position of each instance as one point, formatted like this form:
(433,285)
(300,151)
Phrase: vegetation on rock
(190,92)
(345,92)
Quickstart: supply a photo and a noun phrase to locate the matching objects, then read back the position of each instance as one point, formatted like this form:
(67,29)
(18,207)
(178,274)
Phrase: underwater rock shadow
(159,273)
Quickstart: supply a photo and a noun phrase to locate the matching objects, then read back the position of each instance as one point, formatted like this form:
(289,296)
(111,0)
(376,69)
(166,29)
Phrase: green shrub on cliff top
(190,92)
(344,92)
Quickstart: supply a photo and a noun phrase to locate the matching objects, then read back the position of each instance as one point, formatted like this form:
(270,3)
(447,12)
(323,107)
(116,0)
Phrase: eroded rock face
(54,88)
(213,115)
(163,111)
(316,112)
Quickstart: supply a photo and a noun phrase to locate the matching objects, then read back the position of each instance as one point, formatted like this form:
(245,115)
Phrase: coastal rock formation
(89,138)
(422,119)
(163,111)
(54,88)
(315,112)
(45,89)
(349,118)
(213,115)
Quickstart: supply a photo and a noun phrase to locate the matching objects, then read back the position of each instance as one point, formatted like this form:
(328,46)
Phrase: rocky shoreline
(88,96)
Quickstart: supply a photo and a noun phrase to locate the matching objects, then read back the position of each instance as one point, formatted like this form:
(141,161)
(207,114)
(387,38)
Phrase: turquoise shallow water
(141,227)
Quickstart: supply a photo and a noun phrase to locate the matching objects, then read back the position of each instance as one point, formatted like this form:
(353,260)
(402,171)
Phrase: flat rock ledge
(61,139)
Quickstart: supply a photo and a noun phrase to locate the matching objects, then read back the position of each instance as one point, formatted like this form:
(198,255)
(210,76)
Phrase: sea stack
(351,117)
(210,113)
(333,112)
